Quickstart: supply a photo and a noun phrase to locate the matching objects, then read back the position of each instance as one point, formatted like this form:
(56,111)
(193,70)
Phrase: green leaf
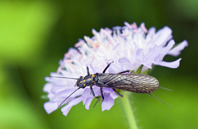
(138,71)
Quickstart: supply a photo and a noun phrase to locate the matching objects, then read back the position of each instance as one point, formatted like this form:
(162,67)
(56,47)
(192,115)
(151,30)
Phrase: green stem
(128,110)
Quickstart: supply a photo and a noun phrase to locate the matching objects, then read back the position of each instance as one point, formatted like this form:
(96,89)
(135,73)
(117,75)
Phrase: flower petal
(50,107)
(113,95)
(125,62)
(163,51)
(140,55)
(114,68)
(88,102)
(177,50)
(47,87)
(66,108)
(107,103)
(162,36)
(88,97)
(173,64)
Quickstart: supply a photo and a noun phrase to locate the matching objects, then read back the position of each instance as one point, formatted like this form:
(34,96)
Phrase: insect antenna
(67,97)
(160,100)
(165,88)
(68,78)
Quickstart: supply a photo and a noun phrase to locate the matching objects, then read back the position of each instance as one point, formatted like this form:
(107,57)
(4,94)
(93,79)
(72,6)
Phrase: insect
(137,83)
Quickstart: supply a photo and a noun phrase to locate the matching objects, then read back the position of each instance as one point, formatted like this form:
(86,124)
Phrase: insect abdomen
(131,82)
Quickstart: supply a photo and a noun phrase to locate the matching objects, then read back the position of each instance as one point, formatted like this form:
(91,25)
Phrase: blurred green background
(34,35)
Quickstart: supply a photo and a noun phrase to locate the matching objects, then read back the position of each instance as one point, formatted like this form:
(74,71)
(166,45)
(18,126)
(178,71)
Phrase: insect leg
(92,91)
(101,93)
(124,71)
(117,92)
(88,71)
(107,67)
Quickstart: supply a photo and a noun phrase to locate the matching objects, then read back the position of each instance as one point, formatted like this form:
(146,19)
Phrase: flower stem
(128,110)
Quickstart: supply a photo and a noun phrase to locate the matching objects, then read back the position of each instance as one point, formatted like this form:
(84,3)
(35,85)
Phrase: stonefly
(137,83)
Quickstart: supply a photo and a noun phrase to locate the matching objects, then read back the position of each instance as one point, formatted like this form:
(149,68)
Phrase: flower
(128,47)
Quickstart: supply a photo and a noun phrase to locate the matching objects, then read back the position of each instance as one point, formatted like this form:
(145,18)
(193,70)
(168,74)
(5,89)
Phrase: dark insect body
(137,83)
(131,82)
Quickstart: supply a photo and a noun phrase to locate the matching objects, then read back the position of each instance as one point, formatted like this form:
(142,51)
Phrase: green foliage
(34,35)
(139,70)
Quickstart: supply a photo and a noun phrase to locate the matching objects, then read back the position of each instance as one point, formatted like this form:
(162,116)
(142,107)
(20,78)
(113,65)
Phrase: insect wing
(131,82)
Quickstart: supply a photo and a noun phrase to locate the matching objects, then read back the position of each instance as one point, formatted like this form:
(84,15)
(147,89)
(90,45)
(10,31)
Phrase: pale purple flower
(128,47)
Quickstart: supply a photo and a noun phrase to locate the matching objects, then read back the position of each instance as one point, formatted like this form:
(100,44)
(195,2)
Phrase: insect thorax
(88,80)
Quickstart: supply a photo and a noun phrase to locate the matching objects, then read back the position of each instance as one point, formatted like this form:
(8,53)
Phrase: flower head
(128,47)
